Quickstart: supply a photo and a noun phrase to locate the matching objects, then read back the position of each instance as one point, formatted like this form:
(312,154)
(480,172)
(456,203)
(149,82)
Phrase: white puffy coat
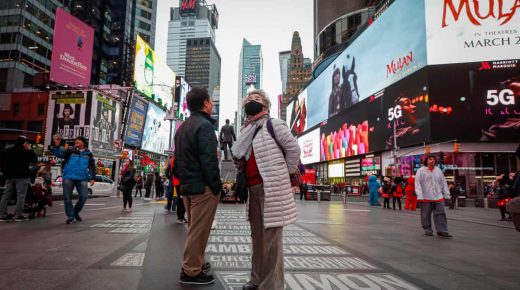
(279,205)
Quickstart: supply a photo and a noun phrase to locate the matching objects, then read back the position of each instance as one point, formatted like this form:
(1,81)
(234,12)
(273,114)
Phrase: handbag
(241,190)
(296,177)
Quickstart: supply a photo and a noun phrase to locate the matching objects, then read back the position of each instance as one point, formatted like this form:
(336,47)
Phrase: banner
(68,114)
(297,114)
(184,88)
(106,119)
(310,147)
(156,130)
(136,121)
(460,31)
(71,59)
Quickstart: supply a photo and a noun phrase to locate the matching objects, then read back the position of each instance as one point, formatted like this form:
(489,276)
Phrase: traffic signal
(456,147)
(124,154)
(427,149)
(38,139)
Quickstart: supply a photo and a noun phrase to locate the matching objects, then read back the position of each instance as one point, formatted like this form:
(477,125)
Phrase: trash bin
(513,207)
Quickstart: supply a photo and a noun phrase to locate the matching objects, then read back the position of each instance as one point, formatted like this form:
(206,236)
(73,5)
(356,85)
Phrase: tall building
(191,43)
(145,17)
(250,69)
(216,107)
(285,58)
(300,69)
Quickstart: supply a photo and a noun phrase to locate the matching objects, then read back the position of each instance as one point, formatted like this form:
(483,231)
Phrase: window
(16,109)
(18,125)
(41,109)
(35,126)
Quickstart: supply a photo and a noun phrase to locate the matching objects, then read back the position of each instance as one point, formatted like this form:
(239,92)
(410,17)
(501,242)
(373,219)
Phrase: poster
(156,130)
(106,119)
(68,114)
(71,60)
(144,67)
(310,147)
(184,88)
(135,123)
(460,31)
(297,115)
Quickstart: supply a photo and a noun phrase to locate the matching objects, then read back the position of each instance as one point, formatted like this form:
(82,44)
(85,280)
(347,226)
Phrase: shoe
(249,286)
(5,219)
(182,221)
(201,279)
(206,266)
(502,220)
(77,217)
(69,221)
(428,233)
(444,235)
(21,218)
(129,210)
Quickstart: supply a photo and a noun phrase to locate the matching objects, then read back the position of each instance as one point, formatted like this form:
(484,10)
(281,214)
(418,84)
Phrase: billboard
(297,114)
(390,49)
(487,92)
(106,120)
(371,165)
(71,59)
(460,31)
(68,114)
(310,147)
(135,123)
(156,130)
(403,106)
(184,88)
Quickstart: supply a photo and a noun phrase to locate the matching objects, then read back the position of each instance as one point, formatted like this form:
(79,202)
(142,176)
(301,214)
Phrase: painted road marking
(286,240)
(129,260)
(127,224)
(319,222)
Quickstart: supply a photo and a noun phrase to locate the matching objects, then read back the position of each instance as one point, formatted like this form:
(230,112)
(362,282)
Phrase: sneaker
(77,217)
(69,221)
(201,279)
(5,219)
(444,235)
(428,233)
(206,266)
(21,218)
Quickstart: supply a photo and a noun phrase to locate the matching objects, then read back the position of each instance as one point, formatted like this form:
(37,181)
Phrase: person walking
(504,184)
(409,191)
(15,163)
(148,183)
(397,191)
(373,187)
(269,153)
(139,185)
(79,169)
(159,189)
(454,195)
(127,184)
(227,137)
(197,167)
(432,190)
(303,190)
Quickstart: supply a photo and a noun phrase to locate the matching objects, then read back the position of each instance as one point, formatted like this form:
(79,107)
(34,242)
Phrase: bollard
(457,203)
(344,198)
(319,195)
(486,203)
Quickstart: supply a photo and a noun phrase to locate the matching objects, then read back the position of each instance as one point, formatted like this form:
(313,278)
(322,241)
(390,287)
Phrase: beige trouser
(201,209)
(267,252)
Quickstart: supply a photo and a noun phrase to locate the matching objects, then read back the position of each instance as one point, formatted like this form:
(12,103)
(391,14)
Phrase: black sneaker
(21,218)
(77,217)
(201,279)
(206,266)
(69,221)
(444,235)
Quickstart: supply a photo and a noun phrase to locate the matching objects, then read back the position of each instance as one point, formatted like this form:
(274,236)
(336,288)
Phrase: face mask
(253,107)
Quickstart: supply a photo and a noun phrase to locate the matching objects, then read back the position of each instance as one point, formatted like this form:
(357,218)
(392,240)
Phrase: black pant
(503,212)
(148,191)
(453,201)
(181,209)
(225,148)
(386,203)
(127,197)
(302,194)
(398,201)
(140,189)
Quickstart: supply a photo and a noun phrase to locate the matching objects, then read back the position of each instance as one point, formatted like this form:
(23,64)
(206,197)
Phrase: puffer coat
(279,205)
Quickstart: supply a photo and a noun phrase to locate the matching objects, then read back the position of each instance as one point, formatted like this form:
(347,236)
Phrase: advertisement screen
(135,124)
(475,101)
(402,108)
(71,59)
(106,119)
(345,135)
(310,147)
(371,165)
(163,83)
(68,115)
(156,130)
(297,116)
(460,31)
(184,112)
(393,47)
(336,170)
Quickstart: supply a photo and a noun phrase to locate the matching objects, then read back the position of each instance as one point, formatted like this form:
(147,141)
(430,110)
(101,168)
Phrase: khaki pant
(201,209)
(267,253)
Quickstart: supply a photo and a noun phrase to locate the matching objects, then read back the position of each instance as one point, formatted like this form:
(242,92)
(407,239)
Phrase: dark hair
(68,106)
(196,98)
(20,140)
(82,139)
(428,156)
(227,121)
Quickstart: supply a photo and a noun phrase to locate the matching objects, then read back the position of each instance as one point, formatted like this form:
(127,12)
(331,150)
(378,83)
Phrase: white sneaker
(214,224)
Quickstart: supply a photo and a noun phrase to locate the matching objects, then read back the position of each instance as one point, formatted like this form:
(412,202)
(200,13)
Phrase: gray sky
(269,23)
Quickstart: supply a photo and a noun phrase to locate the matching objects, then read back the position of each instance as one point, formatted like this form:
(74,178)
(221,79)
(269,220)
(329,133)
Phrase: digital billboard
(156,130)
(135,123)
(184,88)
(71,60)
(390,49)
(297,114)
(460,31)
(310,147)
(475,101)
(106,119)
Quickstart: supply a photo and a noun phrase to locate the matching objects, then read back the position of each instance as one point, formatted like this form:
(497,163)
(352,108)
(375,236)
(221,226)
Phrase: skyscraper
(145,15)
(191,43)
(249,74)
(300,69)
(285,58)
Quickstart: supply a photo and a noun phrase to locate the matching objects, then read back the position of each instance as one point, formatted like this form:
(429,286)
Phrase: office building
(249,74)
(285,58)
(145,19)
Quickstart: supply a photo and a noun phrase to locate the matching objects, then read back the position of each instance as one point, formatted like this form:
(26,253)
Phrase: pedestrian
(159,189)
(303,191)
(127,184)
(397,191)
(139,185)
(148,183)
(46,173)
(227,137)
(411,198)
(15,163)
(176,192)
(197,167)
(373,187)
(453,194)
(269,153)
(79,169)
(432,190)
(385,191)
(504,184)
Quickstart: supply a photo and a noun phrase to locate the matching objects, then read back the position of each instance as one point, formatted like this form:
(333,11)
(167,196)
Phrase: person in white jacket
(431,189)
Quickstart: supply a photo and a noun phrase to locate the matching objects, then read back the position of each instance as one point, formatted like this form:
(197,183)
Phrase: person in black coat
(303,190)
(127,184)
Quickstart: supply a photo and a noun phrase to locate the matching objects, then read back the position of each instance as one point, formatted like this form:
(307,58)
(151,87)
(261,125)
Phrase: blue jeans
(68,187)
(170,205)
(21,185)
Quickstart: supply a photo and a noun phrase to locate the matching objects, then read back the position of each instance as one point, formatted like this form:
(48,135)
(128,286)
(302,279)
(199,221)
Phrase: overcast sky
(269,23)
